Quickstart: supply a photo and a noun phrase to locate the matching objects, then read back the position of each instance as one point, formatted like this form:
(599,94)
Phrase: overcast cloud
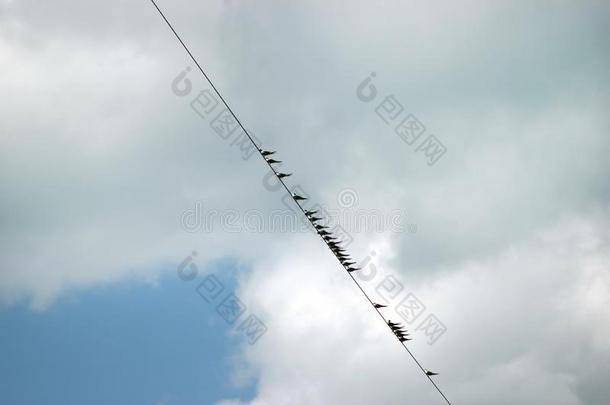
(99,159)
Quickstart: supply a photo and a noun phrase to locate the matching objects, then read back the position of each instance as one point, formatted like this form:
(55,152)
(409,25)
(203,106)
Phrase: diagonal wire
(295,201)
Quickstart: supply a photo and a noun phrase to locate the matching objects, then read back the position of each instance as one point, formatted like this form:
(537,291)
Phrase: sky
(113,174)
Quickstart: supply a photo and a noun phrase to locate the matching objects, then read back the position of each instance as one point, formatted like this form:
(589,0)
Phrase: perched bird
(404,339)
(298,197)
(282,175)
(430,373)
(266,152)
(310,212)
(350,269)
(379,305)
(393,323)
(271,161)
(323,233)
(349,263)
(314,219)
(320,227)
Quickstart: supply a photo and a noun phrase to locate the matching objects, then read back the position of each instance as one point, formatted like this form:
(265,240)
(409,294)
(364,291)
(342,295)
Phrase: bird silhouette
(379,305)
(351,269)
(267,156)
(310,212)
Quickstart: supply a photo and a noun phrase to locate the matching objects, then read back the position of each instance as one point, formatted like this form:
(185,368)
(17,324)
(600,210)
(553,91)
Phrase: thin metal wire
(295,201)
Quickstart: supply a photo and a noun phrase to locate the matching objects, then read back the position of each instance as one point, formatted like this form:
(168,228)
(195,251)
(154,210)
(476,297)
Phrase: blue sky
(100,161)
(124,343)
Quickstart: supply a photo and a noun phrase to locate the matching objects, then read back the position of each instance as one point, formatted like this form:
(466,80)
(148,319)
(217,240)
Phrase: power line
(312,222)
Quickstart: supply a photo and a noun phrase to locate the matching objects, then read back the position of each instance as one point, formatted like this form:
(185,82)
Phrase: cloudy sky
(111,180)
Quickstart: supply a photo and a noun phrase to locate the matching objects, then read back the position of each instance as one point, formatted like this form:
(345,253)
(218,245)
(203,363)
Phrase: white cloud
(528,326)
(98,159)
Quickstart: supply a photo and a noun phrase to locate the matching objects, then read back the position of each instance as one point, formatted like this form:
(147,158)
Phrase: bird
(323,233)
(271,161)
(351,269)
(404,339)
(379,305)
(321,226)
(298,197)
(393,323)
(310,212)
(282,175)
(266,152)
(350,263)
(314,219)
(430,373)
